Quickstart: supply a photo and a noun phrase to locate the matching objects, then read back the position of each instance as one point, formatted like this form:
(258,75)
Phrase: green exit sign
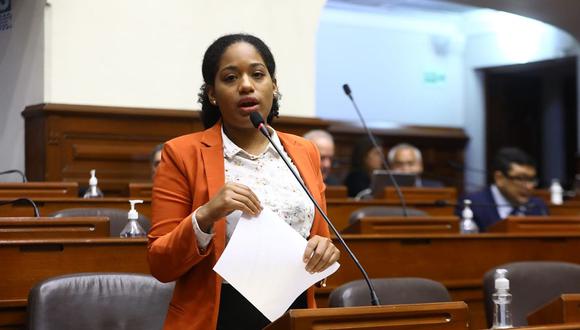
(434,78)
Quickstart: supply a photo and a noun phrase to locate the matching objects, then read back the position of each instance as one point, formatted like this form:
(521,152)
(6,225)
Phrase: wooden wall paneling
(64,142)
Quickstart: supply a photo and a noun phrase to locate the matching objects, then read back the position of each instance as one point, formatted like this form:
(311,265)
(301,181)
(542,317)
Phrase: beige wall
(146,53)
(140,53)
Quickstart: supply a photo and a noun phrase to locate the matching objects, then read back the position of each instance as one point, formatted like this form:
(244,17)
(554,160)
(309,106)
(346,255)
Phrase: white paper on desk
(263,261)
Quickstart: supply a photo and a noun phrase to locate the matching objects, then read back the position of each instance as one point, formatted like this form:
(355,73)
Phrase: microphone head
(256,119)
(346,89)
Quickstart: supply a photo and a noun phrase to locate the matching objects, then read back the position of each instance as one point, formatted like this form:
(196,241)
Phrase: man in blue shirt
(514,174)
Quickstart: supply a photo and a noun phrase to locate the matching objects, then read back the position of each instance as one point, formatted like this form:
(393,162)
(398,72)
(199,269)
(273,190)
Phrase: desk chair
(391,291)
(94,301)
(532,284)
(382,211)
(118,218)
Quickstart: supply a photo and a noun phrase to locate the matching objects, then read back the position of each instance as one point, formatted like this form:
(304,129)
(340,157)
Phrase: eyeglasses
(523,180)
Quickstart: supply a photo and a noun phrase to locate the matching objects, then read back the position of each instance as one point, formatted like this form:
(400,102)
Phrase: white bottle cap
(501,282)
(467,213)
(93,180)
(133,215)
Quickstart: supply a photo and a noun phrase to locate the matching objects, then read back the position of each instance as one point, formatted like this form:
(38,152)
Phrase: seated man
(323,140)
(406,158)
(514,175)
(155,158)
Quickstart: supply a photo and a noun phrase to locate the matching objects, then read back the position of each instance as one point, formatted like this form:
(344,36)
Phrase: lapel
(212,154)
(299,156)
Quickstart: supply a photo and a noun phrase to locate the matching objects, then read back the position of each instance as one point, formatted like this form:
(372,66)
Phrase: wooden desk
(547,196)
(568,208)
(38,189)
(567,326)
(434,316)
(339,210)
(47,205)
(421,194)
(407,225)
(41,228)
(537,224)
(564,309)
(336,192)
(457,261)
(140,189)
(26,262)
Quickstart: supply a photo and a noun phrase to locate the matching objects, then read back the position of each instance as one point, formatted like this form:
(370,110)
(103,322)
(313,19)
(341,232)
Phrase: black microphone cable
(22,175)
(28,200)
(258,122)
(348,93)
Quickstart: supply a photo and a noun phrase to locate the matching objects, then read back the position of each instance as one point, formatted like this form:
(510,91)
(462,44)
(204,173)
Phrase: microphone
(347,91)
(22,175)
(258,123)
(18,200)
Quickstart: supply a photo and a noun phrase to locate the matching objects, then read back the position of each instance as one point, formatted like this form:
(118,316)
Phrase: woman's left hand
(320,253)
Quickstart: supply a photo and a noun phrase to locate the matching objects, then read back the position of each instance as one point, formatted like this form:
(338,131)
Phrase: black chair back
(391,291)
(95,301)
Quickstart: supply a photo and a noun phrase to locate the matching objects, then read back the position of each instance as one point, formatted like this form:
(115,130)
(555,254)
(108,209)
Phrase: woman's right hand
(231,197)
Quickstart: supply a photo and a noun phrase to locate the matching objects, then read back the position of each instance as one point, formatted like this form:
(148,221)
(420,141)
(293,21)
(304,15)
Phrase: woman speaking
(206,180)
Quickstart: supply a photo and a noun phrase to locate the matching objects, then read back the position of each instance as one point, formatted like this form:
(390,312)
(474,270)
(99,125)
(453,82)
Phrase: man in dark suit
(514,174)
(406,158)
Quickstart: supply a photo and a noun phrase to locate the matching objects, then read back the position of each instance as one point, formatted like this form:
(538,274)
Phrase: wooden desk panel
(564,309)
(567,326)
(537,224)
(140,189)
(26,262)
(38,189)
(433,316)
(339,210)
(404,225)
(457,261)
(568,208)
(421,194)
(65,141)
(43,228)
(47,206)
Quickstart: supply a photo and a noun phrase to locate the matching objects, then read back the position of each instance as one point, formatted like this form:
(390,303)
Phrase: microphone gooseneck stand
(258,122)
(348,93)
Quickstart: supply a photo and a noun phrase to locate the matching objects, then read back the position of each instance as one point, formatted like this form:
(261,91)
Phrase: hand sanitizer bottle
(466,224)
(502,298)
(133,228)
(556,192)
(93,191)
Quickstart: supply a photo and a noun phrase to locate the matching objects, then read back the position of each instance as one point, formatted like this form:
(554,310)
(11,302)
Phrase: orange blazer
(190,173)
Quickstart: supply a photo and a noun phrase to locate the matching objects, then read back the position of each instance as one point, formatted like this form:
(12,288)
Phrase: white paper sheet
(263,261)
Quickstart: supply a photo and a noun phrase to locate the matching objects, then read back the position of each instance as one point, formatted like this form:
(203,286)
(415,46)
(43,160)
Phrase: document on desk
(263,261)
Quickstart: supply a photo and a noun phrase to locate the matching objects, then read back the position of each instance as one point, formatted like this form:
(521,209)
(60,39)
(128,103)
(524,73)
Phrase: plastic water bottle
(502,298)
(93,191)
(466,224)
(133,228)
(556,192)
